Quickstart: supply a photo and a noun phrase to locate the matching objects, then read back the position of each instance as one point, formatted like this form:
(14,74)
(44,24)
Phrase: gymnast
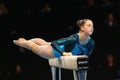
(79,43)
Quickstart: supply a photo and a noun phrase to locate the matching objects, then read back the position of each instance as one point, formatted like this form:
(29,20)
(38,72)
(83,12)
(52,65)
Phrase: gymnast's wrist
(67,54)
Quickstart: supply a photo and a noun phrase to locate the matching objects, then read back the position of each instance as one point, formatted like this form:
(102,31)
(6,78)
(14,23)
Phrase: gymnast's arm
(91,46)
(63,41)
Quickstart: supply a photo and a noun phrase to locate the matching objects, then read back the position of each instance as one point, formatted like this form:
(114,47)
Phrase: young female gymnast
(77,44)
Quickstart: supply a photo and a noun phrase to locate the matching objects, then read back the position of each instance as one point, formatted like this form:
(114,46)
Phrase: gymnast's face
(87,28)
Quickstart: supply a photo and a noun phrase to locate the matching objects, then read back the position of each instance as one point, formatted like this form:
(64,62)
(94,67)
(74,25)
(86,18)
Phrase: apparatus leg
(59,73)
(75,75)
(53,69)
(82,74)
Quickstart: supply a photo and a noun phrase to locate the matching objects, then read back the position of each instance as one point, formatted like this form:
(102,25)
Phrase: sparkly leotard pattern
(72,44)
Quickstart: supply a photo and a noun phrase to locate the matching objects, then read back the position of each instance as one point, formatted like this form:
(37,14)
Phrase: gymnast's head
(85,26)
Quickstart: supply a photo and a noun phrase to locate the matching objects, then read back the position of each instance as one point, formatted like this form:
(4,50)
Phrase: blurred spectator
(3,9)
(110,21)
(46,7)
(110,61)
(110,68)
(18,74)
(105,3)
(111,28)
(90,3)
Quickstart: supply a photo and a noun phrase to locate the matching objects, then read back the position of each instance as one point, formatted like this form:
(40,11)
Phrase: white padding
(66,62)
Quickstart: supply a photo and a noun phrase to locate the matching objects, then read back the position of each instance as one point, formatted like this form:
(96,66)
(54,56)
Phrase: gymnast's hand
(67,54)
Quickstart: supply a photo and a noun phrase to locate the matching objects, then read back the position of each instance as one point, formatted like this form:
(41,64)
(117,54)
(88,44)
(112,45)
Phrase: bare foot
(19,41)
(23,43)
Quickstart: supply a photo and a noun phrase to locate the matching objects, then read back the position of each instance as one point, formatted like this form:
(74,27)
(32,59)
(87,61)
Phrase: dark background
(26,19)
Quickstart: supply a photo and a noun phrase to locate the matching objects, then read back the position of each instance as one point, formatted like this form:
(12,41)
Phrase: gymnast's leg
(37,45)
(39,41)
